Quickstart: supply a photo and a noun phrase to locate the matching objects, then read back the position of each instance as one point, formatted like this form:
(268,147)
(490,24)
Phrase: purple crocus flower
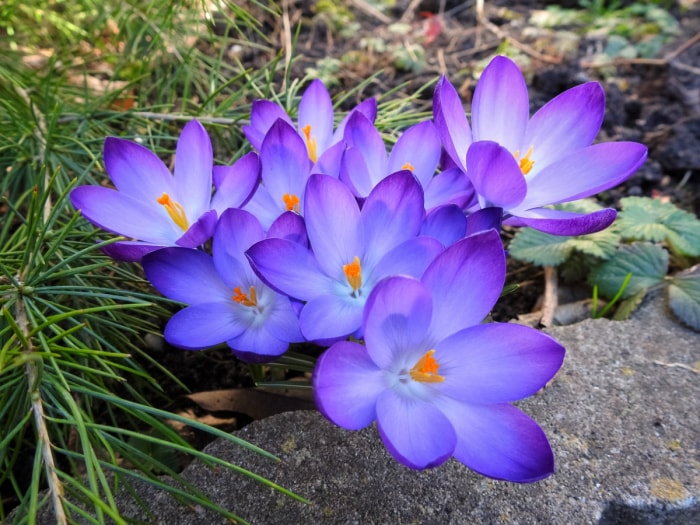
(156,207)
(438,383)
(285,169)
(314,125)
(227,301)
(351,250)
(522,164)
(418,149)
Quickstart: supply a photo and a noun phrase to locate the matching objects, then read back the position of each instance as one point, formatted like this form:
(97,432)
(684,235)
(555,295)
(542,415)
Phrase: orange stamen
(353,273)
(291,201)
(426,369)
(246,300)
(175,210)
(408,166)
(526,163)
(310,143)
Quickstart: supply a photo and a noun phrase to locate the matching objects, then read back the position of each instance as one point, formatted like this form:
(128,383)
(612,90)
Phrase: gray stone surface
(625,428)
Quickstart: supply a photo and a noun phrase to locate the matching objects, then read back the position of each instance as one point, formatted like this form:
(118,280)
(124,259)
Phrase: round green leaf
(653,220)
(648,264)
(539,248)
(684,296)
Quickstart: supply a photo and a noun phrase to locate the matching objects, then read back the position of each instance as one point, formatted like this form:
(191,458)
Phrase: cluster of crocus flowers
(320,234)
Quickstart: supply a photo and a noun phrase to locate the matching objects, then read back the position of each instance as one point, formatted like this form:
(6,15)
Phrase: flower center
(310,142)
(291,201)
(526,163)
(408,166)
(175,210)
(426,369)
(353,273)
(250,299)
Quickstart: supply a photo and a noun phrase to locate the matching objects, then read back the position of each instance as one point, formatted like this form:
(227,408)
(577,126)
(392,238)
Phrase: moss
(289,445)
(668,489)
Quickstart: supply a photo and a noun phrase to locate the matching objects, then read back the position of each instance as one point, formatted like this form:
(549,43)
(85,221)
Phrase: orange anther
(426,369)
(175,210)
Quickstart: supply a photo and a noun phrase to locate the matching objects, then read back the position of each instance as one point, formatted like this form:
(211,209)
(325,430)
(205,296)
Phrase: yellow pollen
(526,163)
(310,143)
(291,202)
(353,273)
(246,300)
(408,166)
(175,210)
(426,369)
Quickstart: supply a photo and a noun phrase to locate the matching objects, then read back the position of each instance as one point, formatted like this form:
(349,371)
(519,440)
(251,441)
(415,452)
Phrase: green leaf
(579,206)
(653,220)
(684,237)
(628,306)
(539,248)
(684,296)
(647,262)
(600,244)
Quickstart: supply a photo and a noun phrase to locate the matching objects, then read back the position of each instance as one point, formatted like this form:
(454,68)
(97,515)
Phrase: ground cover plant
(361,230)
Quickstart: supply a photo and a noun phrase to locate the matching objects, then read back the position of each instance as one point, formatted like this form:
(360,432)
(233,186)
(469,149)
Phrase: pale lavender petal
(135,170)
(218,174)
(289,226)
(565,124)
(332,219)
(185,275)
(495,174)
(354,173)
(346,384)
(559,222)
(466,281)
(257,341)
(418,150)
(445,223)
(584,173)
(367,107)
(451,186)
(360,133)
(330,316)
(414,431)
(193,169)
(200,232)
(499,441)
(237,231)
(237,183)
(451,122)
(484,219)
(329,161)
(290,268)
(316,110)
(497,363)
(116,212)
(264,207)
(205,324)
(263,115)
(501,106)
(283,321)
(285,162)
(410,258)
(396,319)
(392,214)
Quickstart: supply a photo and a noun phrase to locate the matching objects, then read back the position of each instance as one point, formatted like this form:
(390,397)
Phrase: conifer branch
(55,485)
